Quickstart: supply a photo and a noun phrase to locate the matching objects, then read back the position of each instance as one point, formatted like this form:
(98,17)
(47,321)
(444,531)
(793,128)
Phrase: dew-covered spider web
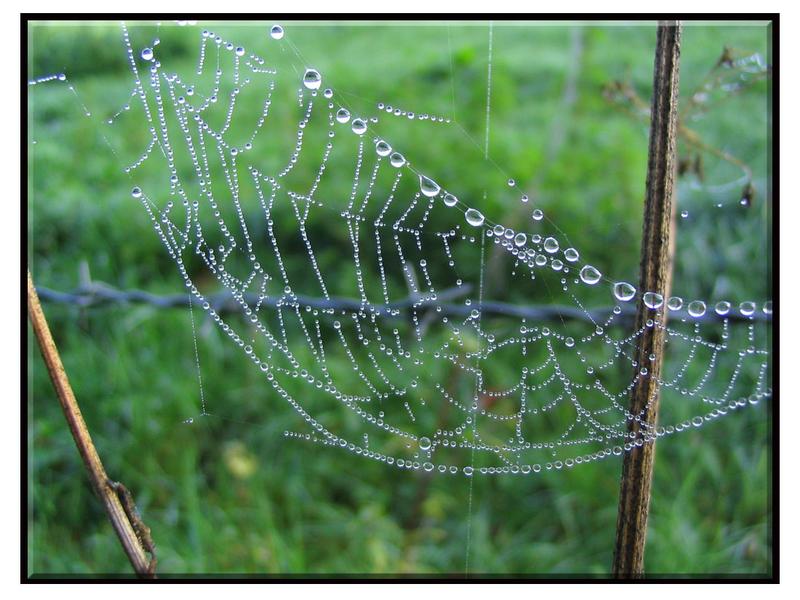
(399,349)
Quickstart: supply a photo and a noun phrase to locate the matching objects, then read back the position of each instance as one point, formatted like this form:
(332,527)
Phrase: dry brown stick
(125,524)
(655,276)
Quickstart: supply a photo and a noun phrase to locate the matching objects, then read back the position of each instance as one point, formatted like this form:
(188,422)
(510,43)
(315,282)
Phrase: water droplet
(524,198)
(652,300)
(136,192)
(569,342)
(590,275)
(624,291)
(511,183)
(359,126)
(397,160)
(468,471)
(343,115)
(696,308)
(684,214)
(722,308)
(474,217)
(147,54)
(428,186)
(239,51)
(312,79)
(424,443)
(450,199)
(571,254)
(537,215)
(382,148)
(747,308)
(520,239)
(675,303)
(767,307)
(276,32)
(551,245)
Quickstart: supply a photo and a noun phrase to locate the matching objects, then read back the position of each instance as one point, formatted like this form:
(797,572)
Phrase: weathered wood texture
(72,412)
(655,276)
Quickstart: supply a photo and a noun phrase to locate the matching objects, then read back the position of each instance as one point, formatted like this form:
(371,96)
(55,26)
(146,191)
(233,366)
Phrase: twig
(656,274)
(105,489)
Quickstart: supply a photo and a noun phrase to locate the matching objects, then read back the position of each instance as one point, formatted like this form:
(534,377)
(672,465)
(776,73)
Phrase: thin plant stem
(655,276)
(126,523)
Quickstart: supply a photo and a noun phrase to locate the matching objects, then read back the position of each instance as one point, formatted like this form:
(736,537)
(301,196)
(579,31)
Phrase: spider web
(400,352)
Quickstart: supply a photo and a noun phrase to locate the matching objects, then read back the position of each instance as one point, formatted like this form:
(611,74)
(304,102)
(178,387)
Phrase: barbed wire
(97,294)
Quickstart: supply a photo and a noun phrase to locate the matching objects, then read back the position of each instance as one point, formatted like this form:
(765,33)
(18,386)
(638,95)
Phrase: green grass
(229,494)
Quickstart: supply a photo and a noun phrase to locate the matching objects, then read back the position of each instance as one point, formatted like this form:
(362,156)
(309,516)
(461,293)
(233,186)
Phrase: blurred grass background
(233,496)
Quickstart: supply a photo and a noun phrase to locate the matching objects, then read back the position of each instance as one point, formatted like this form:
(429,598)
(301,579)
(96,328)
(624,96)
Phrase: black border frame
(773,194)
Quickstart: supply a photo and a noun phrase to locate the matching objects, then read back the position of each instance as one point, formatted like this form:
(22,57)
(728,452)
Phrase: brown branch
(105,489)
(655,276)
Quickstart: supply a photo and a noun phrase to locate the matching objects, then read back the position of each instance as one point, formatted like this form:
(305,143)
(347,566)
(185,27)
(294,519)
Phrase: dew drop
(684,214)
(428,186)
(312,79)
(551,245)
(696,308)
(276,32)
(571,254)
(359,126)
(343,115)
(147,54)
(382,148)
(722,308)
(136,192)
(424,443)
(652,300)
(397,160)
(450,199)
(590,275)
(747,308)
(537,215)
(675,303)
(474,217)
(624,291)
(520,239)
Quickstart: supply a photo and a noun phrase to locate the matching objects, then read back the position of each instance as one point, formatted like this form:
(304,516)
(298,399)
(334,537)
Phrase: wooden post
(132,535)
(655,276)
